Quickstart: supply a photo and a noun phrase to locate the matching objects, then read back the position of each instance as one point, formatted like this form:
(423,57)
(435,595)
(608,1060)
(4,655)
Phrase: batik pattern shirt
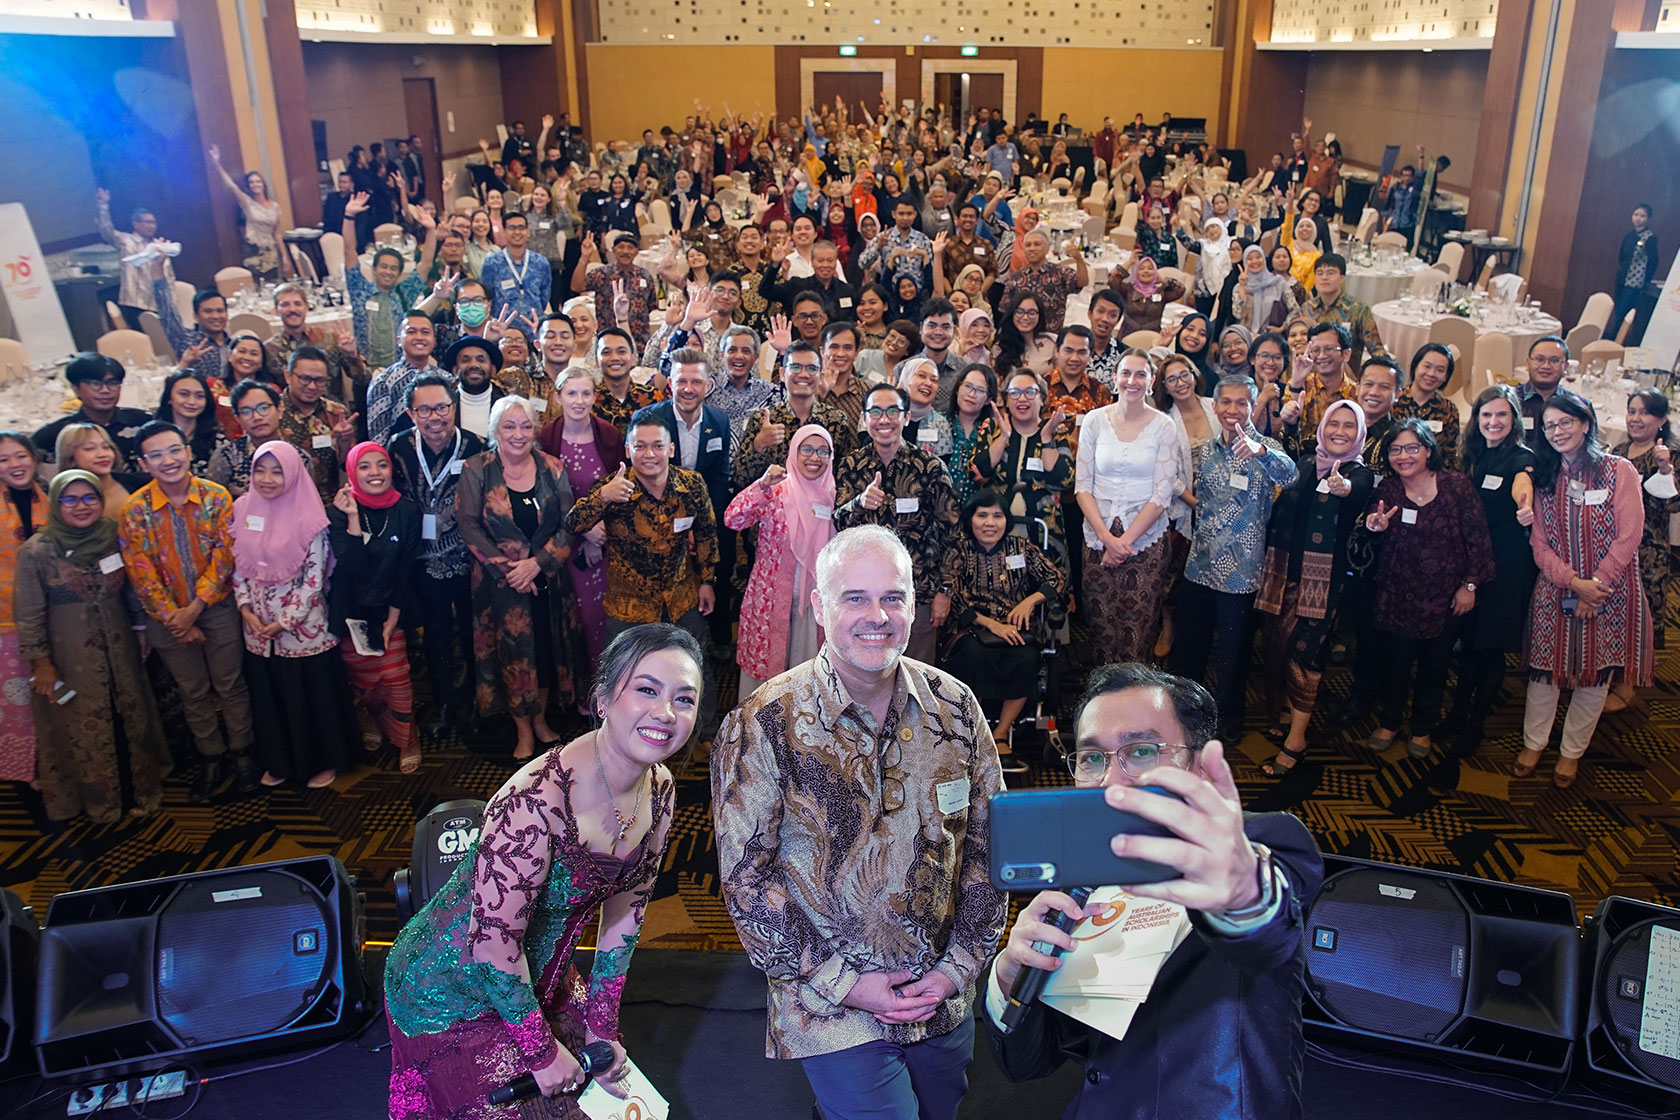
(176,554)
(1228,546)
(919,507)
(659,550)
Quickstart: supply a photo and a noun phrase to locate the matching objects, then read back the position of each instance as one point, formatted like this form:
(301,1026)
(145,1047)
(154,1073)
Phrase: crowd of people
(804,444)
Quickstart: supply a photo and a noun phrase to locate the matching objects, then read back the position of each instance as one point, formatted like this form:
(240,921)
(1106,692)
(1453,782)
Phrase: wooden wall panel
(291,102)
(1497,131)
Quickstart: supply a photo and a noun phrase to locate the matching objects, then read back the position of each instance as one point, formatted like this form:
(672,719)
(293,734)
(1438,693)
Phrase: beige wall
(357,90)
(1089,84)
(1399,97)
(632,88)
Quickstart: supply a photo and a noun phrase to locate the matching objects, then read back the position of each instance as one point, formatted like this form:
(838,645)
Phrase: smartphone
(1044,839)
(1570,602)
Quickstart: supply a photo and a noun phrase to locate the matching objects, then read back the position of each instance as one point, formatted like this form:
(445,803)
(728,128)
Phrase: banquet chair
(1094,229)
(1451,260)
(1391,241)
(235,279)
(1428,283)
(131,348)
(1188,279)
(1367,227)
(332,251)
(388,233)
(14,359)
(1269,242)
(1601,351)
(1129,218)
(1626,325)
(1509,286)
(183,300)
(1494,361)
(1142,340)
(1596,313)
(1580,335)
(1457,332)
(115,315)
(659,216)
(152,325)
(1062,185)
(249,321)
(1486,276)
(304,265)
(465,204)
(1078,177)
(1028,185)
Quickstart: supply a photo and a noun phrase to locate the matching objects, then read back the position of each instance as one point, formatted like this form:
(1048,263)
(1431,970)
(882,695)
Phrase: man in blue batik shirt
(517,278)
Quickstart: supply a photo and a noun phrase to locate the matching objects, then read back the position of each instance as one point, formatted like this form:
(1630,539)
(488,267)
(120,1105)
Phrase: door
(855,88)
(420,108)
(985,91)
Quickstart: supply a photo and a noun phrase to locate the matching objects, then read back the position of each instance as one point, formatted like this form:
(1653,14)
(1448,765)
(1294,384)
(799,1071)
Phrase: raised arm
(227,180)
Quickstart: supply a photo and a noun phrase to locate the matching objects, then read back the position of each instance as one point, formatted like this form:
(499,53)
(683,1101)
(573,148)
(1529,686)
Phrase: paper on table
(1659,1020)
(641,1100)
(1115,960)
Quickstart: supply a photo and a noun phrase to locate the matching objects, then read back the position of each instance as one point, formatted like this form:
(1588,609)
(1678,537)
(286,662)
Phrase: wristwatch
(1266,873)
(1468,586)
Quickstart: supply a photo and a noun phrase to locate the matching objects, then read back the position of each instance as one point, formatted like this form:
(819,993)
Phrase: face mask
(472,314)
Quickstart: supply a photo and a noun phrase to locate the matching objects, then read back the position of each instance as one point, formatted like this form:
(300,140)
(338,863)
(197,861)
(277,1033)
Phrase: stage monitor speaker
(19,940)
(442,839)
(1483,973)
(141,975)
(1631,965)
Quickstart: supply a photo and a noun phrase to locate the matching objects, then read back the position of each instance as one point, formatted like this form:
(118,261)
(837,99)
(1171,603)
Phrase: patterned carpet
(1616,832)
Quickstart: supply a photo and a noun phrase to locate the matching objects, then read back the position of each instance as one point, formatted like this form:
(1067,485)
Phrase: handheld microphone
(594,1057)
(1030,981)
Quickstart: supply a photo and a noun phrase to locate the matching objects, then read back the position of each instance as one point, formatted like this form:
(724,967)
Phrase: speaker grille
(1389,952)
(1629,960)
(241,954)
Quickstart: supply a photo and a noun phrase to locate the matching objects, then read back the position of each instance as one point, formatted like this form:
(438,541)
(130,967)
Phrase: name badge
(111,563)
(428,526)
(822,512)
(1435,426)
(455,467)
(507,285)
(1034,463)
(321,442)
(979,250)
(715,444)
(1528,423)
(1596,497)
(952,795)
(682,524)
(845,301)
(1079,421)
(1493,481)
(1015,563)
(544,225)
(907,505)
(371,305)
(1156,298)
(927,434)
(253,523)
(225,401)
(1324,486)
(1239,482)
(1408,517)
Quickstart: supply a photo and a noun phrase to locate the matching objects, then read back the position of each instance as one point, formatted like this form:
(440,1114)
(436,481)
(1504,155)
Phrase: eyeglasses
(1406,449)
(1559,425)
(86,501)
(476,301)
(1538,360)
(807,316)
(1136,759)
(815,453)
(892,413)
(317,382)
(254,410)
(103,383)
(976,390)
(164,454)
(427,411)
(1323,351)
(794,368)
(1032,311)
(1179,378)
(1022,392)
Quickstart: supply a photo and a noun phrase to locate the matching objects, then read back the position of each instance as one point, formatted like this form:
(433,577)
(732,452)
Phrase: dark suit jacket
(712,465)
(839,298)
(1219,1037)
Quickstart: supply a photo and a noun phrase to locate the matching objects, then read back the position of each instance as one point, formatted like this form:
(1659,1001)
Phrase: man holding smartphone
(851,801)
(1220,1033)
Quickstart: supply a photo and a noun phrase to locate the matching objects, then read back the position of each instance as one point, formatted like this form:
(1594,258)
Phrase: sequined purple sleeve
(534,1039)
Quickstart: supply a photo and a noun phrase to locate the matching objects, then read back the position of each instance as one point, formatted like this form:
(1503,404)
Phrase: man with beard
(345,369)
(320,429)
(474,362)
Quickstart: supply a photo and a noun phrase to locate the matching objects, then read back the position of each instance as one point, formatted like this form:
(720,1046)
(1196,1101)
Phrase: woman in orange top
(22,512)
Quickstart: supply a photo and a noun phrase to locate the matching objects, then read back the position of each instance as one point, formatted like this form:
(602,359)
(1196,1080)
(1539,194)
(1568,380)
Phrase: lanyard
(525,263)
(443,472)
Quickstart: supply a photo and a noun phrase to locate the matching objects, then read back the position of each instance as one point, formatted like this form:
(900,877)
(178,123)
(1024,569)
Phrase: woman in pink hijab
(300,700)
(793,507)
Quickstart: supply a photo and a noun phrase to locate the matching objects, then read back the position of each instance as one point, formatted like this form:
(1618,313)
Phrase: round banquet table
(1402,333)
(1372,284)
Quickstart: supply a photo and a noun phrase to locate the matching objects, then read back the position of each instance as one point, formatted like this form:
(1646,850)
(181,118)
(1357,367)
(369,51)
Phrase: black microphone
(1029,982)
(595,1056)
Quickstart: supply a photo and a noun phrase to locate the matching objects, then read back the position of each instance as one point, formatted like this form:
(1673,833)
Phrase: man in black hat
(474,361)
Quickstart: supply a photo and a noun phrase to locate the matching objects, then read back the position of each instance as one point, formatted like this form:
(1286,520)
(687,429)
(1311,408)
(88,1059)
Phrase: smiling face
(1642,424)
(211,314)
(1133,379)
(96,453)
(989,524)
(1281,260)
(1233,348)
(164,456)
(80,505)
(1341,431)
(187,400)
(615,355)
(1546,362)
(1269,360)
(556,341)
(373,472)
(651,713)
(866,609)
(689,387)
(650,453)
(1376,392)
(1025,400)
(1567,434)
(813,457)
(1180,379)
(1407,455)
(885,416)
(514,434)
(292,308)
(1192,336)
(921,382)
(1430,374)
(268,479)
(258,415)
(1496,420)
(246,357)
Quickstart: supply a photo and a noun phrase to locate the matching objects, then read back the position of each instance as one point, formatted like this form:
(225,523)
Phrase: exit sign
(848,52)
(971,52)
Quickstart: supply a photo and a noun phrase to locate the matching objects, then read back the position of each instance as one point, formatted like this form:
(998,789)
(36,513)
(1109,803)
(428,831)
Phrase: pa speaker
(441,841)
(139,975)
(1631,963)
(18,942)
(1483,973)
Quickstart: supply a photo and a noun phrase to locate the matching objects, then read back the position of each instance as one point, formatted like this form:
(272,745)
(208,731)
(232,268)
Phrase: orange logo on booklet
(1099,924)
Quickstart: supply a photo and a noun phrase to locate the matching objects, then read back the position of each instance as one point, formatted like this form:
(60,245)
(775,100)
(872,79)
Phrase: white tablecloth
(1372,284)
(1608,396)
(1403,334)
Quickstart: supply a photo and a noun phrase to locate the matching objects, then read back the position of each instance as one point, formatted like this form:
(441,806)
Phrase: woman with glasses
(186,403)
(1500,468)
(300,702)
(1425,398)
(99,746)
(257,405)
(1005,598)
(1589,623)
(1022,343)
(1031,464)
(1305,570)
(975,422)
(1433,553)
(1126,475)
(1270,357)
(792,506)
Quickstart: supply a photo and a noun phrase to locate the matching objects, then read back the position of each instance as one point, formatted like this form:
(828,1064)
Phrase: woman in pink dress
(793,507)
